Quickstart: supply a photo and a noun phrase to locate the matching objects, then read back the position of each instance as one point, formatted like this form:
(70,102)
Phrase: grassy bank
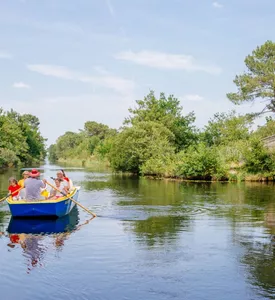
(234,176)
(91,162)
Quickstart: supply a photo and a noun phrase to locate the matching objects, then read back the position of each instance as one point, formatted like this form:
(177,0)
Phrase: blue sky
(70,61)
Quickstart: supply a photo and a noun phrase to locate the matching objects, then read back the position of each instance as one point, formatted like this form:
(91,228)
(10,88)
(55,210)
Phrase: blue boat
(67,223)
(43,208)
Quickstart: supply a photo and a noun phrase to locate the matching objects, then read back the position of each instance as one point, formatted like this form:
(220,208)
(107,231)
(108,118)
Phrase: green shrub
(257,158)
(7,158)
(200,162)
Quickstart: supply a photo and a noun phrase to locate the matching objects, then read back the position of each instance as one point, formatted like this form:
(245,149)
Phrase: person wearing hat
(33,185)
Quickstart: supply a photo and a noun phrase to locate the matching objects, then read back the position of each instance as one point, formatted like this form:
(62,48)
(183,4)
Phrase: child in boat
(54,193)
(66,182)
(21,182)
(14,188)
(25,176)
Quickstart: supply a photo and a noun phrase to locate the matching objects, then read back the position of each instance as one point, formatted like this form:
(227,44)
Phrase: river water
(151,240)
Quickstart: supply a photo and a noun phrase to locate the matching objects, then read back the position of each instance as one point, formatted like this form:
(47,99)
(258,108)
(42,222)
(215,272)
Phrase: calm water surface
(151,240)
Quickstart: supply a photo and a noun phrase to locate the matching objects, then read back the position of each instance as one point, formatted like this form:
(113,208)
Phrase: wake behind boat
(54,208)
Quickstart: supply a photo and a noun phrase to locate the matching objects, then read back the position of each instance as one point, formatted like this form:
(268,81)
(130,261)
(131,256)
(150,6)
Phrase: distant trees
(156,139)
(20,139)
(82,144)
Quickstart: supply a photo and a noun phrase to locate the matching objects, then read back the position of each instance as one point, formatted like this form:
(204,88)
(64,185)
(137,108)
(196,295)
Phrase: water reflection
(158,238)
(36,237)
(158,230)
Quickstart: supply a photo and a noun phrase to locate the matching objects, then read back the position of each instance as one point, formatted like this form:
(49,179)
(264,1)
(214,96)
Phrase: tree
(258,159)
(168,112)
(99,130)
(52,153)
(67,143)
(226,128)
(139,143)
(258,81)
(20,138)
(266,130)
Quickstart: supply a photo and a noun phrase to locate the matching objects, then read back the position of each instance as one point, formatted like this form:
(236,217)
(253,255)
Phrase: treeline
(157,140)
(20,139)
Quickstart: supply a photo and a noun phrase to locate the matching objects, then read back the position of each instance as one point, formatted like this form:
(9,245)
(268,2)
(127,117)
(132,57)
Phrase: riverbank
(233,176)
(247,178)
(91,162)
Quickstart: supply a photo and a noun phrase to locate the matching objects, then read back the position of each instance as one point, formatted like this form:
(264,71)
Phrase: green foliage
(52,153)
(134,146)
(266,130)
(224,129)
(157,140)
(7,158)
(83,144)
(257,83)
(159,166)
(258,159)
(93,142)
(20,135)
(98,130)
(104,147)
(66,144)
(199,162)
(168,112)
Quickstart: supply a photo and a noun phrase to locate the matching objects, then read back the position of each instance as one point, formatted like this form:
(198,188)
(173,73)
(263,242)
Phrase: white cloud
(21,85)
(5,55)
(167,61)
(217,5)
(54,71)
(107,80)
(192,97)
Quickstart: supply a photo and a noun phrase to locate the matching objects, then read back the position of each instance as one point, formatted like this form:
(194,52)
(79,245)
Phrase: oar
(72,199)
(3,199)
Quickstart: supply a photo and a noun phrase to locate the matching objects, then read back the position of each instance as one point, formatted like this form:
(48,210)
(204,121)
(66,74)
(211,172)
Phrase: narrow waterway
(152,240)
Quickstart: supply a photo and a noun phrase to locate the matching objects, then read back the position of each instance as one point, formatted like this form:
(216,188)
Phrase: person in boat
(25,175)
(14,188)
(33,186)
(22,193)
(54,193)
(65,181)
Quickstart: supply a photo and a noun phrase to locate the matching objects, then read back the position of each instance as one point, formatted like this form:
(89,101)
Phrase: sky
(68,61)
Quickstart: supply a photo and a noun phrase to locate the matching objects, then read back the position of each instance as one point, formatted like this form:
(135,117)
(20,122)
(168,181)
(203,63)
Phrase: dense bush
(258,159)
(200,161)
(8,158)
(134,146)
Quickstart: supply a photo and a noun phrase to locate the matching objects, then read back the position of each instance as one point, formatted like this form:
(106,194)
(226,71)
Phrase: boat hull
(44,208)
(67,223)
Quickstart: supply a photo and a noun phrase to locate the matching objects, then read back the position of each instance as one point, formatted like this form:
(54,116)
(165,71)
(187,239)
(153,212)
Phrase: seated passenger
(14,188)
(33,186)
(66,182)
(56,194)
(21,182)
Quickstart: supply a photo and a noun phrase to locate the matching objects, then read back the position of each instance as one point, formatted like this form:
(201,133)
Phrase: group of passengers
(31,187)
